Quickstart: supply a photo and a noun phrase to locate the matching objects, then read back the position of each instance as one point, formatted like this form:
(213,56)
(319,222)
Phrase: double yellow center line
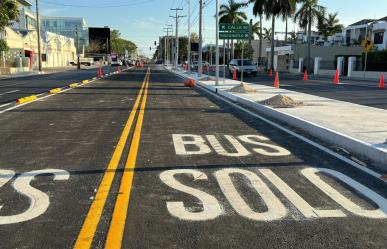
(117,224)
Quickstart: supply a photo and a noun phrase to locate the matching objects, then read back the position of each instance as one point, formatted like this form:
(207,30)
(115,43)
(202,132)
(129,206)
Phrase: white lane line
(302,138)
(5,105)
(13,91)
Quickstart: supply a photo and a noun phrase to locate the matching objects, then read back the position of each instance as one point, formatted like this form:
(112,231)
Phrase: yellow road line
(117,224)
(86,235)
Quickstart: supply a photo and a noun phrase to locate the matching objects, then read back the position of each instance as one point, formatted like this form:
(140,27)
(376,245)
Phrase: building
(72,27)
(376,29)
(27,19)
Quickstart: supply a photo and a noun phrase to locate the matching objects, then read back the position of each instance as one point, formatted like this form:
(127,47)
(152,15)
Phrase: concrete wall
(326,53)
(255,44)
(368,75)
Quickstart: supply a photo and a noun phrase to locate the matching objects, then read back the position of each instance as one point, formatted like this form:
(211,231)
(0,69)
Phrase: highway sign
(367,44)
(232,35)
(239,27)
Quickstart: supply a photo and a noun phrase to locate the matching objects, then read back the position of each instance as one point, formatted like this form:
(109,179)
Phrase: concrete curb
(364,149)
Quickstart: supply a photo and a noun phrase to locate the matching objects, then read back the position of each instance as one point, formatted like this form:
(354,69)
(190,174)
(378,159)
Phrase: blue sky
(142,21)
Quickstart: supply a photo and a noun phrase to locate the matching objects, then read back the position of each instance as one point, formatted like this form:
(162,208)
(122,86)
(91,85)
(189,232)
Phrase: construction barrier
(234,75)
(26,99)
(381,81)
(305,76)
(336,79)
(190,82)
(55,90)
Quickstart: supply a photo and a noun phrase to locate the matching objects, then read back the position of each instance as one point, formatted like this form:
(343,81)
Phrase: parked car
(194,65)
(249,68)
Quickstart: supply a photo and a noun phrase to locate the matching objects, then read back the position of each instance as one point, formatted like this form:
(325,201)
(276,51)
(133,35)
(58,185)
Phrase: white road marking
(241,150)
(5,105)
(302,206)
(39,201)
(211,207)
(14,91)
(276,150)
(381,213)
(275,209)
(300,137)
(180,141)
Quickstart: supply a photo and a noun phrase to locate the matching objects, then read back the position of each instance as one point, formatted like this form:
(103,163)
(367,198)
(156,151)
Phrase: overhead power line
(97,6)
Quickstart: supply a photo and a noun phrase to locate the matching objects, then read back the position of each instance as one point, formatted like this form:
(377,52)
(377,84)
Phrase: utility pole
(38,30)
(177,35)
(200,38)
(189,37)
(217,45)
(167,30)
(77,49)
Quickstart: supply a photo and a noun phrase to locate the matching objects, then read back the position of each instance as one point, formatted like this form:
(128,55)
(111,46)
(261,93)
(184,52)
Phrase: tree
(267,34)
(119,45)
(230,13)
(8,12)
(273,9)
(194,37)
(256,30)
(333,24)
(307,15)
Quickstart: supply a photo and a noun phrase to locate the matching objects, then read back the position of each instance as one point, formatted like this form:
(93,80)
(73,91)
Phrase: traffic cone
(336,79)
(381,82)
(270,72)
(234,76)
(276,81)
(99,72)
(305,75)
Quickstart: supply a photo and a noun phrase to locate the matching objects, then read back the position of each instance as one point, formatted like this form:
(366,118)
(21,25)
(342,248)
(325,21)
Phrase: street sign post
(367,45)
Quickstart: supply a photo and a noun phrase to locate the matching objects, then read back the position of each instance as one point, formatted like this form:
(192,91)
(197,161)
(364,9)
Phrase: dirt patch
(242,88)
(281,101)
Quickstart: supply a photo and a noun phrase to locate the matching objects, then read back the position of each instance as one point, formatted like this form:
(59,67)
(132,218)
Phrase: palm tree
(307,16)
(294,5)
(230,13)
(267,33)
(333,24)
(273,9)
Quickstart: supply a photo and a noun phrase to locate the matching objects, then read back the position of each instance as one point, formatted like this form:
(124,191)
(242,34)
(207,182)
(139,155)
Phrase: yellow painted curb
(73,85)
(85,81)
(55,90)
(94,78)
(26,99)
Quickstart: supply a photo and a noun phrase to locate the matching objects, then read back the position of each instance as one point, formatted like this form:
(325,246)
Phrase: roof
(362,22)
(24,3)
(383,19)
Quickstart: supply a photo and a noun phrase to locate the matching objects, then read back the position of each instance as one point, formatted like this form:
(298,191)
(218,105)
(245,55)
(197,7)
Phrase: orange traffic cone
(270,72)
(336,79)
(381,82)
(305,75)
(234,76)
(99,72)
(276,81)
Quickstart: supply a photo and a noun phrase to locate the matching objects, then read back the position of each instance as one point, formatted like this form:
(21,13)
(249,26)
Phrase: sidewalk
(351,126)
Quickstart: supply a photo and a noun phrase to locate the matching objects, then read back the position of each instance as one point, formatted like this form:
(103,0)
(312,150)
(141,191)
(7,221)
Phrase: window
(378,38)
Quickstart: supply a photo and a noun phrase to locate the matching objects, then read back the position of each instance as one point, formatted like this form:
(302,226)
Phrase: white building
(375,29)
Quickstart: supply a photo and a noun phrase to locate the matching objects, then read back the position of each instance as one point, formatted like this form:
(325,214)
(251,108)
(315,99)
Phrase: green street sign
(236,36)
(238,27)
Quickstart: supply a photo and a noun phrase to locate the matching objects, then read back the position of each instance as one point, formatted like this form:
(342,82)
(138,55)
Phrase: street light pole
(77,49)
(217,44)
(200,37)
(38,30)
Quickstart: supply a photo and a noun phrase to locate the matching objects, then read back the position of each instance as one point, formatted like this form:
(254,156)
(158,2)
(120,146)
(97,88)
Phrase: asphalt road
(357,92)
(12,89)
(140,161)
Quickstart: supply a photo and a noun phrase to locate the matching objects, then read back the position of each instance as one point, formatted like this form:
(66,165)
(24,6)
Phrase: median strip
(26,99)
(89,227)
(85,81)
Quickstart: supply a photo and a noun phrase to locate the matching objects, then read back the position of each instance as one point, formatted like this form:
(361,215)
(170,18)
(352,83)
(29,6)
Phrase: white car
(249,68)
(194,65)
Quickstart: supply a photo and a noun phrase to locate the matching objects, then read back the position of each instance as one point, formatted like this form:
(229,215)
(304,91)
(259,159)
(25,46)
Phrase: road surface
(137,160)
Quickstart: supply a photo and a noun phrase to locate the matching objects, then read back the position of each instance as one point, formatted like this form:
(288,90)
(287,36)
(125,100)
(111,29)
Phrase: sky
(142,21)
